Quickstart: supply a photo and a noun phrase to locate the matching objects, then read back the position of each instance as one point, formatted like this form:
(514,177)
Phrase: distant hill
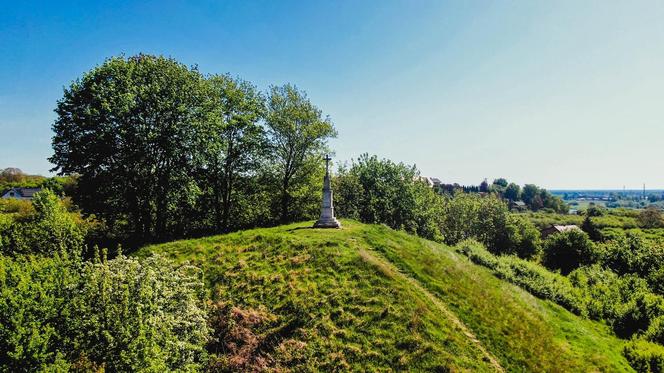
(371,298)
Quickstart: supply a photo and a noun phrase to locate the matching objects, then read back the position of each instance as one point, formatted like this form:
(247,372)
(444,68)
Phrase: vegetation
(381,191)
(162,151)
(370,298)
(46,227)
(59,314)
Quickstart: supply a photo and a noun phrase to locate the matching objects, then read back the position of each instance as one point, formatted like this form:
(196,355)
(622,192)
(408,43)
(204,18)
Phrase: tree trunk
(285,200)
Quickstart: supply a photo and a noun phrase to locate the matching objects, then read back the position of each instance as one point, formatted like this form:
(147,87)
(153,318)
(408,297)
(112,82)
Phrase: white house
(20,193)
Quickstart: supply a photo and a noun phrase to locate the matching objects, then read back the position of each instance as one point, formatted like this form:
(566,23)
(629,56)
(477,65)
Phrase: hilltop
(368,297)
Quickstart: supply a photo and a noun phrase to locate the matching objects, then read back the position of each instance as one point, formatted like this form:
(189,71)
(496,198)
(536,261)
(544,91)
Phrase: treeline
(534,197)
(160,150)
(12,177)
(379,191)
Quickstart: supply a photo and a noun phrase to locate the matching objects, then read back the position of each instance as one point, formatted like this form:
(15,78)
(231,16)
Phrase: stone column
(327,219)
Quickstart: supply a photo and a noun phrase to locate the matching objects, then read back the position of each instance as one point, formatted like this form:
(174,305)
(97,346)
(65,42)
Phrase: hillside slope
(368,297)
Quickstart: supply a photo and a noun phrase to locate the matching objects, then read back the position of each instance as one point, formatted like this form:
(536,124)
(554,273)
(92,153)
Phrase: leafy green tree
(591,229)
(238,146)
(133,129)
(513,192)
(523,238)
(380,191)
(298,135)
(594,211)
(48,230)
(502,182)
(651,217)
(569,250)
(530,191)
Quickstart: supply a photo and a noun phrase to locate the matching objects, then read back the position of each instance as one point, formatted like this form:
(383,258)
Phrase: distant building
(518,206)
(554,229)
(430,181)
(20,193)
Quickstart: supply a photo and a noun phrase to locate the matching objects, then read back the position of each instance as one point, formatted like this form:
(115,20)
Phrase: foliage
(48,230)
(591,229)
(298,135)
(632,253)
(236,150)
(161,151)
(488,220)
(379,191)
(528,275)
(119,315)
(537,198)
(132,128)
(513,192)
(644,356)
(13,177)
(569,250)
(651,217)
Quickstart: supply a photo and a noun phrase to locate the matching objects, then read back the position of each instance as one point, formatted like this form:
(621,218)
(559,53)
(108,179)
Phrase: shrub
(524,238)
(568,250)
(644,356)
(632,253)
(651,217)
(591,229)
(528,275)
(488,220)
(48,230)
(115,315)
(379,191)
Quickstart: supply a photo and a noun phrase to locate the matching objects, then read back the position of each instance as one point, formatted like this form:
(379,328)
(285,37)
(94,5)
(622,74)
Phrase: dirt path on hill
(391,270)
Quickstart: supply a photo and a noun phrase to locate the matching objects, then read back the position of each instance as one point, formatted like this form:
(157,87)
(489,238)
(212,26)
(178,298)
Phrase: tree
(651,217)
(238,145)
(569,250)
(591,229)
(502,182)
(484,186)
(12,175)
(530,191)
(513,192)
(298,134)
(379,191)
(133,129)
(48,230)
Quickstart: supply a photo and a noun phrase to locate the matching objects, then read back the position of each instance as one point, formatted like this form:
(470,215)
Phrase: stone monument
(327,219)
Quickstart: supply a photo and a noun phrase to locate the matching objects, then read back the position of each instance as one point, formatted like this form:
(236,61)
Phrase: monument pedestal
(327,219)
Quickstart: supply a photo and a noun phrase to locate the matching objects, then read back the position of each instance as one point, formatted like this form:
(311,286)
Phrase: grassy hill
(368,297)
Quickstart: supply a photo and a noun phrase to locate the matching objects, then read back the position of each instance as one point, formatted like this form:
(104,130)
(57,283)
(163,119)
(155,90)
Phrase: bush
(632,253)
(644,356)
(379,191)
(488,220)
(115,315)
(48,230)
(569,250)
(528,275)
(524,238)
(651,217)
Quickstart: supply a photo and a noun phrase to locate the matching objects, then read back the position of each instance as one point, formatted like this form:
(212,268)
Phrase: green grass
(370,298)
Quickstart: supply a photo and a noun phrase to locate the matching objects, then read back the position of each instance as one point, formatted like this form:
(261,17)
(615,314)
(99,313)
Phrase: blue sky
(564,94)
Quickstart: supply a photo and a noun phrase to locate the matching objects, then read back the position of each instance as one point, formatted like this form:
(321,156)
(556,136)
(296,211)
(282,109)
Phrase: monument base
(327,223)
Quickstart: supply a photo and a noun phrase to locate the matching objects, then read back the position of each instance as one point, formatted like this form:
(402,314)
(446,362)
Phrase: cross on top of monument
(327,163)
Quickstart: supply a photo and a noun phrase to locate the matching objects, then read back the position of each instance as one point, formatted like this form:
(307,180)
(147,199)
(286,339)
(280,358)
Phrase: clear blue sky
(564,94)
